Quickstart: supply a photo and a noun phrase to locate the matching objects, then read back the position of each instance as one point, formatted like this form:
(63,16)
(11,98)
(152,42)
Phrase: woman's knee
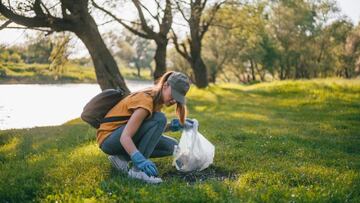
(159,117)
(169,143)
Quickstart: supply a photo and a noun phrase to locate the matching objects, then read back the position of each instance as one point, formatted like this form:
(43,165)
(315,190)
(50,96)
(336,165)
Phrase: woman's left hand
(176,126)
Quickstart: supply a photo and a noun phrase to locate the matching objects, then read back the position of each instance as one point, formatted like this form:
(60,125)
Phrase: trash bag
(194,151)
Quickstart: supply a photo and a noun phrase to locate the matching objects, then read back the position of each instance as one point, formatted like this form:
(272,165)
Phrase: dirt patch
(211,173)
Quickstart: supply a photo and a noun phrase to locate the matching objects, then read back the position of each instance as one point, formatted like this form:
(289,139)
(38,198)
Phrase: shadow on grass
(211,173)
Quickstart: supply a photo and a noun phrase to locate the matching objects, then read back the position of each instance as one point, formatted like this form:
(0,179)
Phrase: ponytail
(181,112)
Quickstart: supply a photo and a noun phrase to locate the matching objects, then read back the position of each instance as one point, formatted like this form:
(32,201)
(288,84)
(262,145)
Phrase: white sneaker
(119,163)
(137,174)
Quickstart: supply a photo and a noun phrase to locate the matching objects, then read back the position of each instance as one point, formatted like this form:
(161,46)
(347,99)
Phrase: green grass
(291,141)
(40,73)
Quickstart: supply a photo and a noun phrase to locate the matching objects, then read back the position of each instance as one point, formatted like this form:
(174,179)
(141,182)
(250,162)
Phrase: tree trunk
(107,73)
(200,71)
(282,72)
(297,71)
(138,69)
(213,74)
(160,59)
(252,70)
(197,63)
(287,71)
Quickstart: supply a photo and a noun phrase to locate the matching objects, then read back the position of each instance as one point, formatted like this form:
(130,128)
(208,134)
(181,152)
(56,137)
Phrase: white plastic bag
(194,151)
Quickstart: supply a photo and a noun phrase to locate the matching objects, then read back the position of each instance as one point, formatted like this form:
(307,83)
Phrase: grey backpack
(96,109)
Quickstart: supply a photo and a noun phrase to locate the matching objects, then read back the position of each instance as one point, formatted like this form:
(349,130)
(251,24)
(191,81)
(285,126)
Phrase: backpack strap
(114,118)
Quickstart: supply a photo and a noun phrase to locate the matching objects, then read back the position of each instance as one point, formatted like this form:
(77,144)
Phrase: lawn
(289,141)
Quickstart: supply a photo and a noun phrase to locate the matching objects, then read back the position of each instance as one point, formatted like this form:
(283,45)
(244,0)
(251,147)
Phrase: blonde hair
(156,92)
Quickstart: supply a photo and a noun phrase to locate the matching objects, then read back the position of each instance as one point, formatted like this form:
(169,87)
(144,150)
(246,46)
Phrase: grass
(290,141)
(40,73)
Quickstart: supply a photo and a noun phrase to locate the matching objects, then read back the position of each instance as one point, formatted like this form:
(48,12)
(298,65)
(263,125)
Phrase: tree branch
(167,18)
(46,9)
(28,28)
(182,12)
(203,5)
(26,21)
(184,52)
(153,16)
(55,24)
(131,29)
(5,24)
(144,25)
(206,24)
(37,8)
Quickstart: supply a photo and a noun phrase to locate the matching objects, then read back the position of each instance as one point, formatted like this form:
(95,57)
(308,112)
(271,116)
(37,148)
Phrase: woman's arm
(130,129)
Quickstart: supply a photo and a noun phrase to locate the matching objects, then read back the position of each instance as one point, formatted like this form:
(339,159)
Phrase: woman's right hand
(144,164)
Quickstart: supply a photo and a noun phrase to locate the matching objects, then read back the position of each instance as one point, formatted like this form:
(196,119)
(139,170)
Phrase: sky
(351,9)
(10,37)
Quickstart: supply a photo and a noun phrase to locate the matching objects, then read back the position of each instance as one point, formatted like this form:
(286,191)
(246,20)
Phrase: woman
(140,137)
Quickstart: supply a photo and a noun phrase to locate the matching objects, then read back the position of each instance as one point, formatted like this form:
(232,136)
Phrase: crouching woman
(140,137)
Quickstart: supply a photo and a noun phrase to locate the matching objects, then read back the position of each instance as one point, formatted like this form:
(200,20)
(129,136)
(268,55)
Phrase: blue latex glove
(176,126)
(144,164)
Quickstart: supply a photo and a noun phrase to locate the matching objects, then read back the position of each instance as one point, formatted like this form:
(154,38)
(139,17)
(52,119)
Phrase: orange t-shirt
(124,108)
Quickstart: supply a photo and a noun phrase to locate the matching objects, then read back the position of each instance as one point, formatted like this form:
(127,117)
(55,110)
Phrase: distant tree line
(283,40)
(36,49)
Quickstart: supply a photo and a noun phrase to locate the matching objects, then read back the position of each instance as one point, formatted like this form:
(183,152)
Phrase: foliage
(231,41)
(40,73)
(178,63)
(151,25)
(59,56)
(11,54)
(73,17)
(133,51)
(38,50)
(288,141)
(266,40)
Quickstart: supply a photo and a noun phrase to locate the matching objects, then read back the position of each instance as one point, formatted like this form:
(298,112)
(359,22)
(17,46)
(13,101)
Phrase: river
(31,105)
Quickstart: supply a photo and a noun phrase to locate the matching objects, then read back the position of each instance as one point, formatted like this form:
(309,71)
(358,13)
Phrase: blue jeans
(148,139)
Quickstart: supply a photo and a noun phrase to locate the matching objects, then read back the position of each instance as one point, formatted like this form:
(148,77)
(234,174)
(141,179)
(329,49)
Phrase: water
(26,106)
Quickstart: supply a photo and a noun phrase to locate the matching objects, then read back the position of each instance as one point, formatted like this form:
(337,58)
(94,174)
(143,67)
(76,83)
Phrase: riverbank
(21,73)
(288,141)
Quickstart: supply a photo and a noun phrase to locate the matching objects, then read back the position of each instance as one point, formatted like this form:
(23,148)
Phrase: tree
(352,53)
(147,31)
(73,16)
(59,56)
(134,51)
(304,41)
(217,53)
(238,43)
(292,24)
(193,14)
(38,49)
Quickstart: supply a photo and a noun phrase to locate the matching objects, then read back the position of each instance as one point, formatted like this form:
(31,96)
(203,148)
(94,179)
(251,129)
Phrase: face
(166,95)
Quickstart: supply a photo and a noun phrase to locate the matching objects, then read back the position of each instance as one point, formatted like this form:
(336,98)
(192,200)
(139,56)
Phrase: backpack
(97,108)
